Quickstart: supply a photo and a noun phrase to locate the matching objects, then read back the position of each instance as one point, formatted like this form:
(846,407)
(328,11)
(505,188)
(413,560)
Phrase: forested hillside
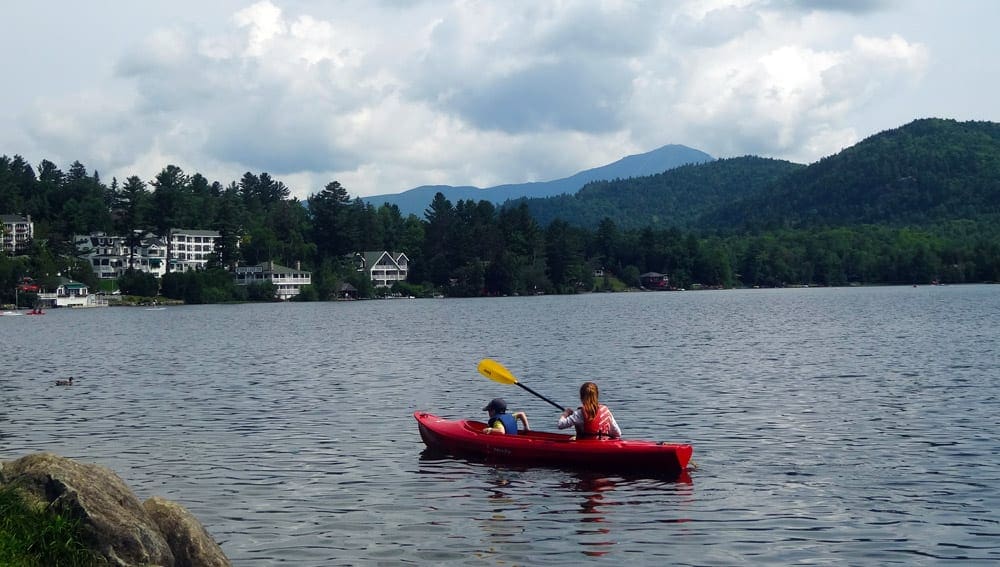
(676,198)
(926,172)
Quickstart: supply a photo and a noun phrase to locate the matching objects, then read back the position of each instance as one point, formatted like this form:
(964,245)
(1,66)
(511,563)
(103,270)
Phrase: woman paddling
(593,420)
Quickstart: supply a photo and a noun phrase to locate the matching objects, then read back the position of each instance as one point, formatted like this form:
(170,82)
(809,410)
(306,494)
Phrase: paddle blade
(496,371)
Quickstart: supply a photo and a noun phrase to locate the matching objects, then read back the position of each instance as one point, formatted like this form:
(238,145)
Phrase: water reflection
(506,518)
(596,513)
(517,506)
(596,491)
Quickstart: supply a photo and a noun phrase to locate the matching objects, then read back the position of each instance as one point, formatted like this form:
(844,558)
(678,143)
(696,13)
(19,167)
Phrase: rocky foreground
(117,525)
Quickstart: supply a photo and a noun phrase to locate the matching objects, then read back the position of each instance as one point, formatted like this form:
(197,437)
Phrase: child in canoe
(502,422)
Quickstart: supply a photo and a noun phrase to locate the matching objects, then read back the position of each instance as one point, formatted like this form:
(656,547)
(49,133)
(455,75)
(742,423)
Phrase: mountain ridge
(414,201)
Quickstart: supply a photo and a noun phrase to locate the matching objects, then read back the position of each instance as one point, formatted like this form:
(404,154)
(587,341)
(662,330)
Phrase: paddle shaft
(540,396)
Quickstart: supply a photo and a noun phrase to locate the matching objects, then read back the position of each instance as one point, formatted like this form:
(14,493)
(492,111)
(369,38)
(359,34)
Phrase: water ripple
(830,426)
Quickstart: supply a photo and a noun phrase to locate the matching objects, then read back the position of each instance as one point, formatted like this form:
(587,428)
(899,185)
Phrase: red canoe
(465,438)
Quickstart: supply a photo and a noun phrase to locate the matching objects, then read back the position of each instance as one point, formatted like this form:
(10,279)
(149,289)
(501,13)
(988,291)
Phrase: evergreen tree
(170,190)
(331,229)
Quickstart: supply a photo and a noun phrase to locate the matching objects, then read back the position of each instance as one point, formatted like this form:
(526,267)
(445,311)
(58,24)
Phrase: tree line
(466,248)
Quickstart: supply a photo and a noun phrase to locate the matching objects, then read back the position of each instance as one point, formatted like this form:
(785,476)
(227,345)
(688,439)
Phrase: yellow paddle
(498,373)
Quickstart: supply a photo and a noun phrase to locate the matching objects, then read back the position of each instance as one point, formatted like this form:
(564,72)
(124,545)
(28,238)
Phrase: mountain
(674,198)
(662,159)
(925,172)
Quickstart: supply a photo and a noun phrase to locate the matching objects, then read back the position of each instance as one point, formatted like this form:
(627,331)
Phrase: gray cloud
(278,140)
(608,31)
(542,68)
(715,27)
(848,6)
(580,95)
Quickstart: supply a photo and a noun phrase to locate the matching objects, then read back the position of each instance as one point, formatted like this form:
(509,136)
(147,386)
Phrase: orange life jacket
(600,426)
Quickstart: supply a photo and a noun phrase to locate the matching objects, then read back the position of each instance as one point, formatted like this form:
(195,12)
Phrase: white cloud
(766,91)
(893,50)
(263,23)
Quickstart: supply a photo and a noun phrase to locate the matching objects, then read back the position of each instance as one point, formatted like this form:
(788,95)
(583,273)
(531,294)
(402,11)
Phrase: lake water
(830,426)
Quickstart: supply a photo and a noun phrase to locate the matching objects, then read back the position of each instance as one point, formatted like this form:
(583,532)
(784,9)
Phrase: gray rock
(191,544)
(116,525)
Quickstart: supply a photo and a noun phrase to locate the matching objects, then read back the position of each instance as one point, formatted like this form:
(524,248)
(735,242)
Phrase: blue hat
(496,404)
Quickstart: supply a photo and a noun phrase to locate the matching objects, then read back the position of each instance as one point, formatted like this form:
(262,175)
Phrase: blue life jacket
(508,421)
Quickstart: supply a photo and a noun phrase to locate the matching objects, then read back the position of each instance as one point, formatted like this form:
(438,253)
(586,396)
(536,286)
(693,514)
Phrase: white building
(104,253)
(17,233)
(71,293)
(150,255)
(287,282)
(110,258)
(191,249)
(384,268)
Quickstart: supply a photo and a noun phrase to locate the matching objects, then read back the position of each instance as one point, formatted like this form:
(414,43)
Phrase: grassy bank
(30,537)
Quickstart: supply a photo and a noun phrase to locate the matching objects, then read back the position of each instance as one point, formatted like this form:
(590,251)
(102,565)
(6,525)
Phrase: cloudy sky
(387,95)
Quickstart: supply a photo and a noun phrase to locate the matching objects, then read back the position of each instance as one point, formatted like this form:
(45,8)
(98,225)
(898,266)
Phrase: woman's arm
(570,418)
(616,432)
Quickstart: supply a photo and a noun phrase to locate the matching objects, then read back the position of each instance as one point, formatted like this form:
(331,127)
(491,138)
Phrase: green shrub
(135,282)
(31,537)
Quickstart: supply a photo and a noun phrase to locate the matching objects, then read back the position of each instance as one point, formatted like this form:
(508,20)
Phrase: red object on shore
(465,438)
(28,285)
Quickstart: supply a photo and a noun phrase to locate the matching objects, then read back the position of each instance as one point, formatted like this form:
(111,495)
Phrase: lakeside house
(111,256)
(69,293)
(347,291)
(384,268)
(654,281)
(106,254)
(17,233)
(287,282)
